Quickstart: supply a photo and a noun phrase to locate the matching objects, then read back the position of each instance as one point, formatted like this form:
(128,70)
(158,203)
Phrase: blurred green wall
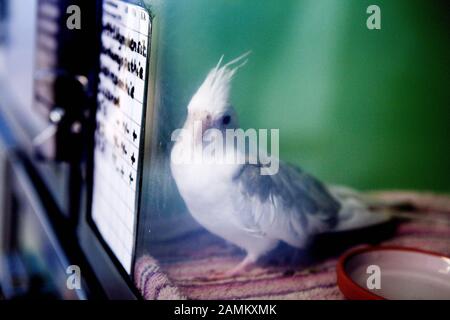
(364,108)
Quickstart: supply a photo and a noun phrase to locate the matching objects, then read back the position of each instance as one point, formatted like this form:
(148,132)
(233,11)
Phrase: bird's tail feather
(362,210)
(356,210)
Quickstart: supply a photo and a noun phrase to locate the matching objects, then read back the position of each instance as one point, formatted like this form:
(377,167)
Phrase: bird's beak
(206,123)
(200,122)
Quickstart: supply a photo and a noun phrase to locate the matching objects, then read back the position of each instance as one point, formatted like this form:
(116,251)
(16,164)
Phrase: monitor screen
(120,125)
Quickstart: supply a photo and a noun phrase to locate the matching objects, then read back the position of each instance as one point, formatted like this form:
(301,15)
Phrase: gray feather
(294,189)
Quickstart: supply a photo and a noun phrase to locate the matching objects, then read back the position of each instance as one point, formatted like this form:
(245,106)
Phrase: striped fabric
(183,268)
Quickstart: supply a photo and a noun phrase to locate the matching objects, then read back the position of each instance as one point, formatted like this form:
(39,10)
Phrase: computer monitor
(124,103)
(120,121)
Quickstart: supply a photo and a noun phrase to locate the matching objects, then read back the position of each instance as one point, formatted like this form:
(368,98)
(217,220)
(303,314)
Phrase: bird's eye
(226,119)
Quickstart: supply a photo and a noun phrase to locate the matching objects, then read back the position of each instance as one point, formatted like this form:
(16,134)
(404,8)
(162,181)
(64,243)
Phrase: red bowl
(403,273)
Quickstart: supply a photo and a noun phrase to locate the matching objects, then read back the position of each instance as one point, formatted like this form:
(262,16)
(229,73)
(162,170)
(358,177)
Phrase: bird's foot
(242,267)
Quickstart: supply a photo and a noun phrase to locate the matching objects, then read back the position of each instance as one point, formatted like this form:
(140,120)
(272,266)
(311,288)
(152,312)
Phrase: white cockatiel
(235,201)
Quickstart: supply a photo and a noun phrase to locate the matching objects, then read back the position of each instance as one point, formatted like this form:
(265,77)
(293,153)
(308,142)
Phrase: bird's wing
(291,193)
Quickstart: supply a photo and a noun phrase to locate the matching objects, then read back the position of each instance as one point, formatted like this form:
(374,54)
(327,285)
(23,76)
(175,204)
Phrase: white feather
(213,95)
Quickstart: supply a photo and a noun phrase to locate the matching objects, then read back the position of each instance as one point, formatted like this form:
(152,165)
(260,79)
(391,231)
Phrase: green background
(365,108)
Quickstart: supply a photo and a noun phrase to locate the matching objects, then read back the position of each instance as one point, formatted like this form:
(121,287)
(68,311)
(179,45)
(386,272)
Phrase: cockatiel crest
(213,95)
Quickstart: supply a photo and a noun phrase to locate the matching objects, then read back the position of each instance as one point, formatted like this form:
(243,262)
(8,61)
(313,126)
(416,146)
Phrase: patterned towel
(184,265)
(153,283)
